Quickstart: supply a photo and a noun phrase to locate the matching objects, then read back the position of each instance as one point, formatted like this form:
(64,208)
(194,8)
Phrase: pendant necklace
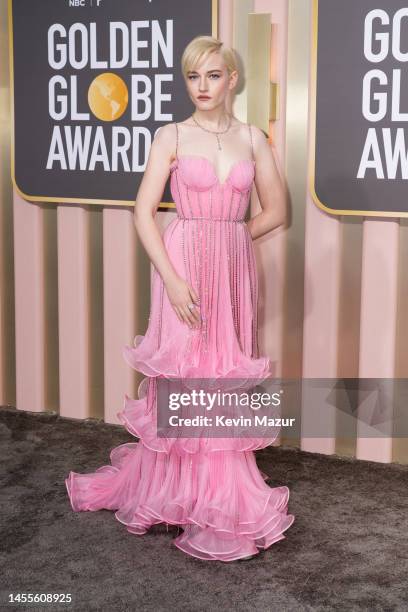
(217,134)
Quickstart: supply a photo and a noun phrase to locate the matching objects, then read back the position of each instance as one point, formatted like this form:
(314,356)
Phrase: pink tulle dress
(210,487)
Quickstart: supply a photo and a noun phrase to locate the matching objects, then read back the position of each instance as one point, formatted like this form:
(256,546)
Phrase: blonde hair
(201,46)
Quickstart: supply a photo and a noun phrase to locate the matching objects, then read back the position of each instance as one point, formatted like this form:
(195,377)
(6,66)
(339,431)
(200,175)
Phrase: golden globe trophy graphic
(108,96)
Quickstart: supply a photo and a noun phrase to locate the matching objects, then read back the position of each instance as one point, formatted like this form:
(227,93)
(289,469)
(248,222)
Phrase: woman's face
(209,83)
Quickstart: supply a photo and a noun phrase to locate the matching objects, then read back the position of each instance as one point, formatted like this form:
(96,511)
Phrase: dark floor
(347,549)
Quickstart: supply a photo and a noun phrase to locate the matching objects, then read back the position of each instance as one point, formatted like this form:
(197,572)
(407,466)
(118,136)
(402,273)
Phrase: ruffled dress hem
(225,523)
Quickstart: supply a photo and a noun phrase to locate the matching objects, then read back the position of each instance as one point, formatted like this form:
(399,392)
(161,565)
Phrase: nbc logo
(83,2)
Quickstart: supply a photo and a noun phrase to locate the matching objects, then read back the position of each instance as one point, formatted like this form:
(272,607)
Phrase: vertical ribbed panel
(126,297)
(270,250)
(29,280)
(123,296)
(378,319)
(321,310)
(322,259)
(295,107)
(349,321)
(74,311)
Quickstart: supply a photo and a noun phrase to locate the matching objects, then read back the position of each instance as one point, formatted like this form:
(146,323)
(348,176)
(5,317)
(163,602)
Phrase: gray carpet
(347,549)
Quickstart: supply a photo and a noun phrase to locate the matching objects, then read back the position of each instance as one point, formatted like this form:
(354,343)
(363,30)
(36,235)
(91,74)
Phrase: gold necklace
(212,132)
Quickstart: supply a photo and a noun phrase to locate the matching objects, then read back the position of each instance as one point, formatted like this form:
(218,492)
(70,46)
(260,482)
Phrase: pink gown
(210,487)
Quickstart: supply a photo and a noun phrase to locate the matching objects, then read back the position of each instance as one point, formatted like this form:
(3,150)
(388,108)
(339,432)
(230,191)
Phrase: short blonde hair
(201,46)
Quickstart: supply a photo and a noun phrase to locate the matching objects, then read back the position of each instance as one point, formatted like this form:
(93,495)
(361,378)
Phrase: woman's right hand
(180,295)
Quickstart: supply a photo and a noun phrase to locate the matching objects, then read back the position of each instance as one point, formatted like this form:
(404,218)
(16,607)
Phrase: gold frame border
(312,160)
(164,205)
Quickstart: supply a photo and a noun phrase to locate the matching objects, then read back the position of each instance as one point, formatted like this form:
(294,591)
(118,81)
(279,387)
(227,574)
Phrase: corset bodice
(199,194)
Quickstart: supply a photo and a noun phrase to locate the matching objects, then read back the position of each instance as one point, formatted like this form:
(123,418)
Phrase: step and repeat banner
(91,82)
(359,162)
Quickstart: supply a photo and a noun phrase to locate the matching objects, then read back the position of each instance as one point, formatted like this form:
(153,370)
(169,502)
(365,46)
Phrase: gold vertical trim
(7,336)
(295,175)
(259,54)
(11,90)
(274,109)
(214,18)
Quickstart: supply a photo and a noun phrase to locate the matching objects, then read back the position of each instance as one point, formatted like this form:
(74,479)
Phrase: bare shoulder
(164,142)
(166,134)
(259,138)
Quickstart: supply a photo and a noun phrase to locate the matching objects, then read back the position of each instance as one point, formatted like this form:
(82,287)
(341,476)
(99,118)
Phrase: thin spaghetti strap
(252,144)
(176,140)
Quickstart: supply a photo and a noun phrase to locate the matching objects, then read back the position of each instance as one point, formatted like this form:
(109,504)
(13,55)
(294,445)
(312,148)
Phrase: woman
(203,322)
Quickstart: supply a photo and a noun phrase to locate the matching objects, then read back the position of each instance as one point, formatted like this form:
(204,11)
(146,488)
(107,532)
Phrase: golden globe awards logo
(92,82)
(361,107)
(76,51)
(382,94)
